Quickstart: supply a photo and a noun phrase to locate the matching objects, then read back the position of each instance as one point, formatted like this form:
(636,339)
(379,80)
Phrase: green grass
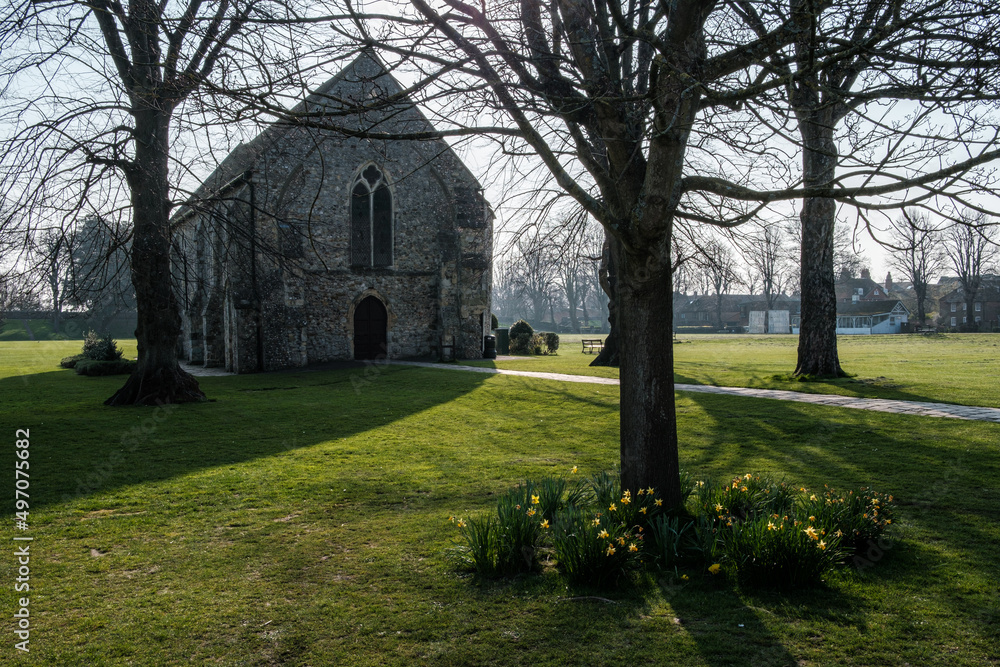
(302,519)
(948,368)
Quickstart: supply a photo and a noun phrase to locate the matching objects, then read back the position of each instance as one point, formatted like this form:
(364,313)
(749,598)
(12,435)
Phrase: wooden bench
(592,345)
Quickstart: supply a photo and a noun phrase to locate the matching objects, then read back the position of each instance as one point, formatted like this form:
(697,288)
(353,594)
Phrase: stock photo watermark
(22,542)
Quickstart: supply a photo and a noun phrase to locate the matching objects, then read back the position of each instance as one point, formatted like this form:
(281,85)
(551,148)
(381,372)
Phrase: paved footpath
(922,408)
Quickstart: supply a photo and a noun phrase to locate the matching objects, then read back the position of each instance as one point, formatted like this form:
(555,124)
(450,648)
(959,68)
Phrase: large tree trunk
(158,377)
(920,288)
(608,355)
(648,418)
(817,355)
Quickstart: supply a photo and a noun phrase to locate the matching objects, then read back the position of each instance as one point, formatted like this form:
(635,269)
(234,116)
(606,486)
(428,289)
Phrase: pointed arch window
(371,219)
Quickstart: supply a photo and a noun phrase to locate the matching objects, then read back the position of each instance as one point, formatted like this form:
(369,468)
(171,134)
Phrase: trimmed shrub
(551,341)
(494,322)
(537,345)
(101,349)
(521,344)
(96,368)
(519,328)
(70,362)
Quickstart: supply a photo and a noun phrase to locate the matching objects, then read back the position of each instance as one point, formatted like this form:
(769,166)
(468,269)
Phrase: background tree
(917,254)
(100,280)
(53,268)
(719,270)
(767,256)
(972,248)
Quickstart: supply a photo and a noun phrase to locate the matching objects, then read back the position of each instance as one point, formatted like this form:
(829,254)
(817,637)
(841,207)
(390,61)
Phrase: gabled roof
(364,83)
(883,307)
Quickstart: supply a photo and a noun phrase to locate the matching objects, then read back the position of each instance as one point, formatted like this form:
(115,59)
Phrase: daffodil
(812,518)
(812,497)
(649,491)
(684,577)
(715,568)
(603,534)
(626,500)
(642,509)
(839,533)
(461,523)
(811,532)
(632,547)
(597,521)
(610,551)
(657,502)
(771,526)
(612,508)
(718,507)
(531,512)
(748,476)
(621,541)
(535,500)
(822,545)
(545,523)
(574,470)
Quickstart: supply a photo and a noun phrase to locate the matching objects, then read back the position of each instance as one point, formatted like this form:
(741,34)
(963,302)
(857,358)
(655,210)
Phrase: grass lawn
(949,368)
(302,519)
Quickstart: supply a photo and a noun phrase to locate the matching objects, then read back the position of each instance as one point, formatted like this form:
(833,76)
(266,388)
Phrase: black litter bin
(489,347)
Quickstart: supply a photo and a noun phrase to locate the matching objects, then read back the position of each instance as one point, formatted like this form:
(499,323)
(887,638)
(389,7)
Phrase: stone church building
(310,245)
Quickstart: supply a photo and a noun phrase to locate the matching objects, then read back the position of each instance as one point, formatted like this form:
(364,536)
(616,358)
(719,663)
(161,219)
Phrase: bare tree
(112,92)
(972,248)
(719,271)
(53,268)
(767,256)
(917,253)
(924,60)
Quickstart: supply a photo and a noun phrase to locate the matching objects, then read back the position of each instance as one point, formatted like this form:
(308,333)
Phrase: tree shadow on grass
(80,447)
(853,387)
(938,470)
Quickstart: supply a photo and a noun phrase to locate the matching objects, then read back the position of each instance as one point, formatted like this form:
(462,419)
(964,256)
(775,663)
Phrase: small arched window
(371,220)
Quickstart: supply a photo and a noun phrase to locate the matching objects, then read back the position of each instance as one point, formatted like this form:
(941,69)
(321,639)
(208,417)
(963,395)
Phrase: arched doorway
(370,320)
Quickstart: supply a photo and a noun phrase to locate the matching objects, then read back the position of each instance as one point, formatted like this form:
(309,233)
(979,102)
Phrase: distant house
(953,308)
(872,317)
(852,290)
(885,316)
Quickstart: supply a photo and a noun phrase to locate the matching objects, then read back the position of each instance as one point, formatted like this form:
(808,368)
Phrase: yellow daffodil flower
(545,523)
(535,500)
(461,523)
(612,508)
(811,532)
(657,502)
(632,547)
(610,551)
(822,545)
(603,534)
(714,569)
(574,470)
